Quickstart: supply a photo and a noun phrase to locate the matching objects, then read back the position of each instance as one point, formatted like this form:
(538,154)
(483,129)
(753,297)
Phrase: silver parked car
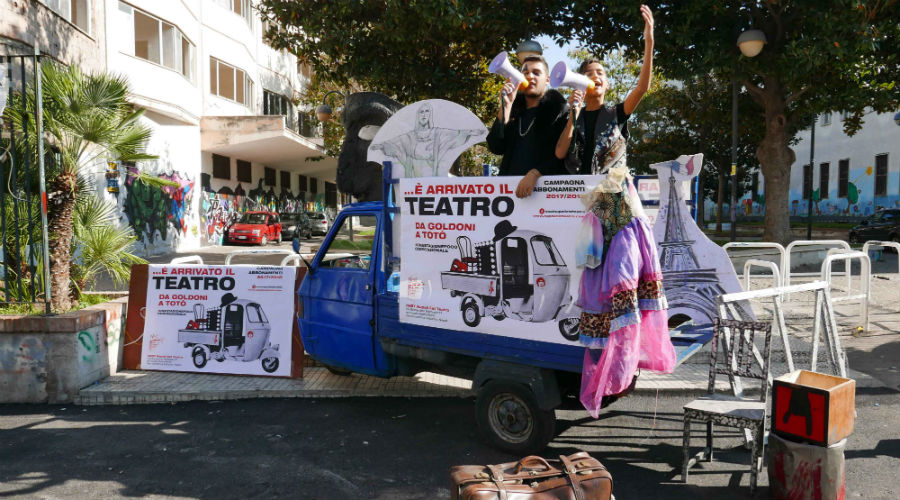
(319,222)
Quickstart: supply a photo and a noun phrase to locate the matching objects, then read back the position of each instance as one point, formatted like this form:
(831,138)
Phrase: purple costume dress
(621,295)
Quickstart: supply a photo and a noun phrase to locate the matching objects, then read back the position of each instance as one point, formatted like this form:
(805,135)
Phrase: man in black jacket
(528,126)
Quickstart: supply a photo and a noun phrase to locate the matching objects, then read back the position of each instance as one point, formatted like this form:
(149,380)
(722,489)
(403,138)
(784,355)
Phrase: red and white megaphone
(500,65)
(562,76)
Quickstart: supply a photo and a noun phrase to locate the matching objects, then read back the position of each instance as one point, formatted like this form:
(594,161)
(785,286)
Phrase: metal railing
(233,253)
(24,255)
(776,275)
(865,279)
(786,260)
(884,244)
(188,259)
(756,244)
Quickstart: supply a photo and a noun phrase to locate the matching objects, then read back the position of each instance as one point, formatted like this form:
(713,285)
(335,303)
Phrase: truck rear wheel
(199,356)
(510,419)
(470,314)
(269,364)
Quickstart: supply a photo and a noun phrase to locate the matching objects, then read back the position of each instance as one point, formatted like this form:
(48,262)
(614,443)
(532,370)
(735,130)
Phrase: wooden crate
(813,407)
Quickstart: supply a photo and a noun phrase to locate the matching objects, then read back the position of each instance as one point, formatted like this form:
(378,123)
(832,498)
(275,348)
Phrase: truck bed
(470,283)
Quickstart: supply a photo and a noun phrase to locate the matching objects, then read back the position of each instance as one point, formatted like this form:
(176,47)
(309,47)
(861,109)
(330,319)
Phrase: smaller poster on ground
(219,319)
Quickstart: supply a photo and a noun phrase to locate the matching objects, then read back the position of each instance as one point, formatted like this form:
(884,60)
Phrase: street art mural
(158,215)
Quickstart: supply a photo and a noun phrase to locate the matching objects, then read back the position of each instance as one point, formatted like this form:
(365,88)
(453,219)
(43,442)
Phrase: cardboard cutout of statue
(695,270)
(425,138)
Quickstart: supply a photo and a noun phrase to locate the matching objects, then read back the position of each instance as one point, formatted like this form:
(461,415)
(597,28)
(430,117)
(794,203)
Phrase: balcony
(266,140)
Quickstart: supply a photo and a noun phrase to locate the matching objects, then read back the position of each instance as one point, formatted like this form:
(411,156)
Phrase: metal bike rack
(756,244)
(760,263)
(865,279)
(885,244)
(282,251)
(786,259)
(188,259)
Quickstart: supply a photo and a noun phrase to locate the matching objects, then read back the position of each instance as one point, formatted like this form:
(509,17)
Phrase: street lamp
(750,44)
(324,111)
(528,48)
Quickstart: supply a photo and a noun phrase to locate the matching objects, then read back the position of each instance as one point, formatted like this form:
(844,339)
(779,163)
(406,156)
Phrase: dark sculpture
(356,176)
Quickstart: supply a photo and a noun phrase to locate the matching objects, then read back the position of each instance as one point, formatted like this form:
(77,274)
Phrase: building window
(230,82)
(331,195)
(77,12)
(285,180)
(301,183)
(270,176)
(881,174)
(807,181)
(313,185)
(843,177)
(239,7)
(823,180)
(157,41)
(244,171)
(221,167)
(826,119)
(307,125)
(277,104)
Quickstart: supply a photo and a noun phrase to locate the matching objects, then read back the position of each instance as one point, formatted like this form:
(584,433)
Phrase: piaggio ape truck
(237,330)
(349,321)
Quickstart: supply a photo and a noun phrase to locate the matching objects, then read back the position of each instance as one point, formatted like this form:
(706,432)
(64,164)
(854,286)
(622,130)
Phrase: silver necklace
(523,134)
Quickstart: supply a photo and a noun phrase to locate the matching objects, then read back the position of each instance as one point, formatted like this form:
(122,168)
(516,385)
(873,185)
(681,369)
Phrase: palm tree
(86,118)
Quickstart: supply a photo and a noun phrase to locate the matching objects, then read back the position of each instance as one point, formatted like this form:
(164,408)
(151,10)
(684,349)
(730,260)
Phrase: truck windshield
(255,314)
(351,244)
(545,252)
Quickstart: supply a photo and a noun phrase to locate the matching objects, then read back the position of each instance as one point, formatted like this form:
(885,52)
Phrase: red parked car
(255,227)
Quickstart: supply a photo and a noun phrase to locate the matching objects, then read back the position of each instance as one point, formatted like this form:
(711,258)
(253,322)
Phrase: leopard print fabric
(650,290)
(595,325)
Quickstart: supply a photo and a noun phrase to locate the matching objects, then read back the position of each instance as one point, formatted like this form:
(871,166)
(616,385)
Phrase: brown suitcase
(576,477)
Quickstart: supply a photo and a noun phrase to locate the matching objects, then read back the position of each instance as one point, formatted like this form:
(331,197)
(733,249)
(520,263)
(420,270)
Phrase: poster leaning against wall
(219,319)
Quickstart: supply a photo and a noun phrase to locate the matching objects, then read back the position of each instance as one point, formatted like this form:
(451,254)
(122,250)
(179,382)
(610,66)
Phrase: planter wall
(47,359)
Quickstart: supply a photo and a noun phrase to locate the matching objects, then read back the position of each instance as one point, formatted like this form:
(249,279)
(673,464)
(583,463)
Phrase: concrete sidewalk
(871,353)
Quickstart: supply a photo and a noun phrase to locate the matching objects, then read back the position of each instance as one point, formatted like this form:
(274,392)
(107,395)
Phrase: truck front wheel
(510,419)
(569,328)
(470,314)
(270,364)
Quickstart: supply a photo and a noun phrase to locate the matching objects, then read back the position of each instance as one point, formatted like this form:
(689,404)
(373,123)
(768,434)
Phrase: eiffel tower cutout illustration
(687,284)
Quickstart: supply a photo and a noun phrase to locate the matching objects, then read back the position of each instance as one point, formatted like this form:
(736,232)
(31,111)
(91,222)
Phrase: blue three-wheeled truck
(349,321)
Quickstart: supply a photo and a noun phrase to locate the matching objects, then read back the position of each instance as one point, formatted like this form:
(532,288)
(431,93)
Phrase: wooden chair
(741,358)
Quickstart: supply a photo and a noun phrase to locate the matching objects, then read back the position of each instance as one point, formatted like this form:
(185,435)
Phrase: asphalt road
(383,448)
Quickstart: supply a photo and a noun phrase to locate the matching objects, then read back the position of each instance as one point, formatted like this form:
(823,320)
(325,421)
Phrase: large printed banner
(219,319)
(477,258)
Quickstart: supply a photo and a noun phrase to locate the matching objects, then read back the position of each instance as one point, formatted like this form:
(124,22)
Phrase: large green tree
(834,55)
(821,56)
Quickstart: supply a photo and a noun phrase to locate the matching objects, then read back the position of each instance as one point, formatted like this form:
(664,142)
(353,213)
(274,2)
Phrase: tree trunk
(60,210)
(720,201)
(776,158)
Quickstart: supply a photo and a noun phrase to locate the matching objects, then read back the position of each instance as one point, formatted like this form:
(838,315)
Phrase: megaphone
(562,76)
(500,65)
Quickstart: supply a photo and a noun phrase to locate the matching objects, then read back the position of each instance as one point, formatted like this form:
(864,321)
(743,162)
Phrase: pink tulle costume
(621,295)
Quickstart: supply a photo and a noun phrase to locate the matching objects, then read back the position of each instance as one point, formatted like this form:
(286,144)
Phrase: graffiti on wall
(157,214)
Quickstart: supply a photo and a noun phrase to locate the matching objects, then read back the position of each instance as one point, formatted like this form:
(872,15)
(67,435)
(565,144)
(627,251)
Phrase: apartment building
(221,103)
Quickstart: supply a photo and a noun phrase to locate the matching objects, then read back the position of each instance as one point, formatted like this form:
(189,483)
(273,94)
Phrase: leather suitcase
(576,477)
